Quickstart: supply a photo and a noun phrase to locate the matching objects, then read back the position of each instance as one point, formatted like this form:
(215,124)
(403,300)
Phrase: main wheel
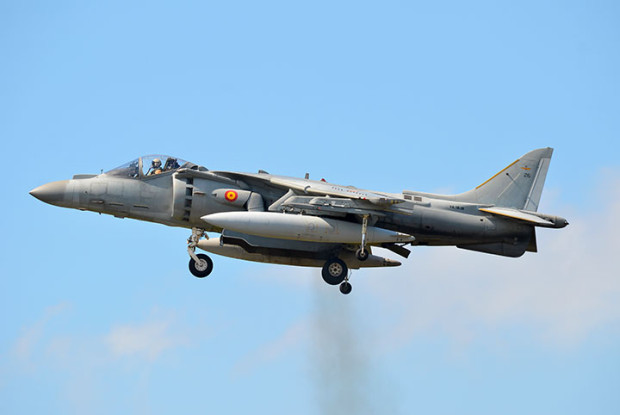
(334,271)
(362,255)
(201,269)
(345,287)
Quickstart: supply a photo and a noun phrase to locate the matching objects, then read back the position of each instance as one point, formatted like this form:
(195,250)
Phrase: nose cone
(52,193)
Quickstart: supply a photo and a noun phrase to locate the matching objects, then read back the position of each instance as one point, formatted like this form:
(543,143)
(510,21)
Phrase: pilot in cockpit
(171,164)
(155,167)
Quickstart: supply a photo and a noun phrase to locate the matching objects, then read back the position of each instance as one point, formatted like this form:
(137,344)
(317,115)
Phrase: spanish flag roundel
(231,195)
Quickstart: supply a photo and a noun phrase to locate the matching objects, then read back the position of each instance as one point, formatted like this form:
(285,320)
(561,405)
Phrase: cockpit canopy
(152,165)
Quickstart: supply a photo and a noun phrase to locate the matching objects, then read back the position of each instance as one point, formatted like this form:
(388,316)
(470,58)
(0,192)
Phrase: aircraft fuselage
(285,220)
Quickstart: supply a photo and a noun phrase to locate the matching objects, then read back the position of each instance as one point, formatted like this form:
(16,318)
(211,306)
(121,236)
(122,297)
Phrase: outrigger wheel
(345,287)
(334,271)
(362,255)
(202,268)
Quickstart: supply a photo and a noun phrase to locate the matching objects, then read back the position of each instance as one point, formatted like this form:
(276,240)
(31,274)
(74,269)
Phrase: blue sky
(100,315)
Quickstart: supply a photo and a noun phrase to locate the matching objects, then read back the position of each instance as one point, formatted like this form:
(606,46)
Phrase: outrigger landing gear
(362,254)
(200,265)
(346,287)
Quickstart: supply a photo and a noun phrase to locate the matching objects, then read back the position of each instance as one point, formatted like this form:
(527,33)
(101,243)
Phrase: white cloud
(148,340)
(31,335)
(80,358)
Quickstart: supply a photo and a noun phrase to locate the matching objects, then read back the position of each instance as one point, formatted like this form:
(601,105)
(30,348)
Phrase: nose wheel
(200,265)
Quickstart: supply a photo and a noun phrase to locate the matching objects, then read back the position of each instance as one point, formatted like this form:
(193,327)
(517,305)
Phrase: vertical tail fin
(517,186)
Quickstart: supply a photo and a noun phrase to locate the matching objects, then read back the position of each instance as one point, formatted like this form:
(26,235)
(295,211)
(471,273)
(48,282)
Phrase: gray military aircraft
(283,220)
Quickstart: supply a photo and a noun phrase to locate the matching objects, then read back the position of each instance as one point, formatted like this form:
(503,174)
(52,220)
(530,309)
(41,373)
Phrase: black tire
(334,271)
(203,269)
(362,256)
(346,287)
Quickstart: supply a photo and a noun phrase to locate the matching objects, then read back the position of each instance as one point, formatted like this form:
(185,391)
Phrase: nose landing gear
(200,265)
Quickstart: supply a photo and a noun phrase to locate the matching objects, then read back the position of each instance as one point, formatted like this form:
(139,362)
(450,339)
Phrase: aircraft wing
(315,187)
(318,188)
(330,206)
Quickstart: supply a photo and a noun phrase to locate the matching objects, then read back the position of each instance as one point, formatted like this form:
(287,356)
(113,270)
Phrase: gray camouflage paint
(182,196)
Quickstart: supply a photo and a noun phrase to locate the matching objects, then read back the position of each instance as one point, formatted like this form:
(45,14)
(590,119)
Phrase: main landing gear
(335,272)
(200,265)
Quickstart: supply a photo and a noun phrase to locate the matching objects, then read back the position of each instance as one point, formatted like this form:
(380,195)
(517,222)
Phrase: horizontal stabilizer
(532,218)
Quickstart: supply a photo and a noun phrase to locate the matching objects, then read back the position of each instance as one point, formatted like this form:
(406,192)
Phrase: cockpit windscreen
(148,166)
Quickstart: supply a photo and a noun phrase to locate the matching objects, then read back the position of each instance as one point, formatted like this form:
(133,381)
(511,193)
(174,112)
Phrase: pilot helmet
(156,163)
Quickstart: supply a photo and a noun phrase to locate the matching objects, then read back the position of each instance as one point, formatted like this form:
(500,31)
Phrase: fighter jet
(297,221)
